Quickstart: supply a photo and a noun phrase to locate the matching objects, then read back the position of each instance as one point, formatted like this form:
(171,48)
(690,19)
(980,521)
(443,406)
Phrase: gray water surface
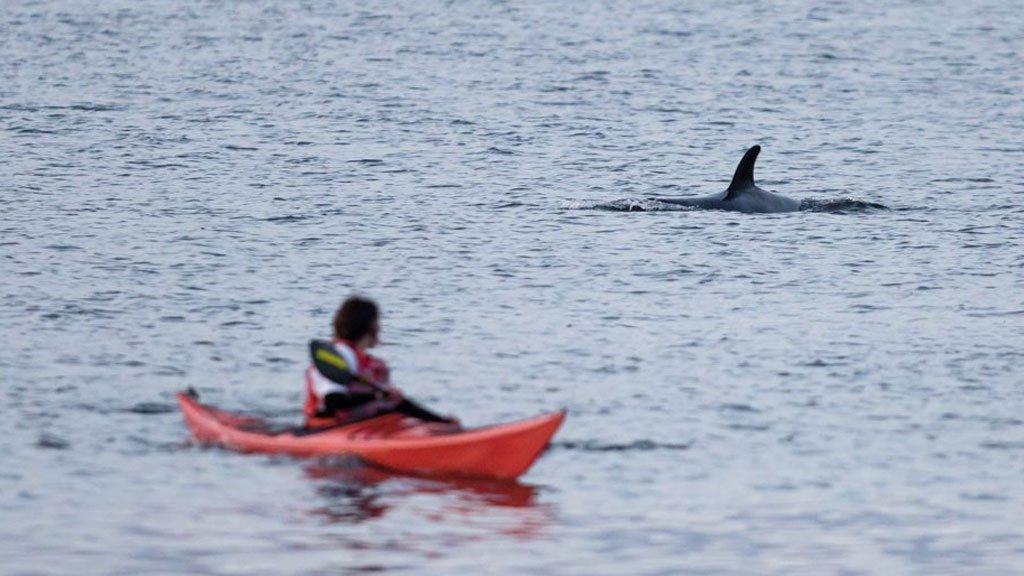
(188,189)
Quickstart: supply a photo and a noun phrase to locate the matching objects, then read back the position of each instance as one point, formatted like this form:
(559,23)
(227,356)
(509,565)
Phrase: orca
(742,195)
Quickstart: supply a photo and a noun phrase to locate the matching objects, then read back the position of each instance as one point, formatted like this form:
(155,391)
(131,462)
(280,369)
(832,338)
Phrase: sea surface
(189,188)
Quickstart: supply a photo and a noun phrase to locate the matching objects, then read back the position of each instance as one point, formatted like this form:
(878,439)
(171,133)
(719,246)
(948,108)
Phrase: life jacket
(319,386)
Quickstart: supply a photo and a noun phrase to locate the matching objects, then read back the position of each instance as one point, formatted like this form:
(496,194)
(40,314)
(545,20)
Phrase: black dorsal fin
(743,179)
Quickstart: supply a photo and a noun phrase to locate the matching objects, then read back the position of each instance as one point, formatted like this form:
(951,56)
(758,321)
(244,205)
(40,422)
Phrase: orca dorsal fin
(743,179)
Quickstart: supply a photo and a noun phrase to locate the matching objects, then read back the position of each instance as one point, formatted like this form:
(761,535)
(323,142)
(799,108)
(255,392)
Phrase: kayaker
(357,385)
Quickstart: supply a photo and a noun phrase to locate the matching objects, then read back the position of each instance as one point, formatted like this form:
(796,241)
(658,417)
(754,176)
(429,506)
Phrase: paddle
(336,369)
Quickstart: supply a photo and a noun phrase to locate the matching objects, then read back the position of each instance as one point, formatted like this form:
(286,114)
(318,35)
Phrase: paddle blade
(330,363)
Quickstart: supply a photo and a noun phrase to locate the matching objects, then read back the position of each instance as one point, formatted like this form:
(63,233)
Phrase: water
(189,189)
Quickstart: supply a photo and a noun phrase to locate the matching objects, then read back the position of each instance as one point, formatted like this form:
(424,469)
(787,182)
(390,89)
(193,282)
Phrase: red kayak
(392,441)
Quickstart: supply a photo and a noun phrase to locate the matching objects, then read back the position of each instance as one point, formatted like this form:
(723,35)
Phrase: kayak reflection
(353,493)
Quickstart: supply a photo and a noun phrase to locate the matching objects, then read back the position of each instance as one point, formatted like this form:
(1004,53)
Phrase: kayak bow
(391,441)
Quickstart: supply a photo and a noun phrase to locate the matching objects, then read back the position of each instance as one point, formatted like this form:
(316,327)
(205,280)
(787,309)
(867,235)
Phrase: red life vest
(318,386)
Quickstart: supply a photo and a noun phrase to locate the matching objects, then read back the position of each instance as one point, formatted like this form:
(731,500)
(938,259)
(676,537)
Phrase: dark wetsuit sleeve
(410,408)
(344,400)
(365,405)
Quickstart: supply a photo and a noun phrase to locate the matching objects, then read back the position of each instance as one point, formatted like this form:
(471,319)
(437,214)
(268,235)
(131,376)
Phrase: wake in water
(627,205)
(839,205)
(834,206)
(637,445)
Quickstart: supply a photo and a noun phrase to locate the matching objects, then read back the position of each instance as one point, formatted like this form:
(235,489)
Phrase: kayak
(393,441)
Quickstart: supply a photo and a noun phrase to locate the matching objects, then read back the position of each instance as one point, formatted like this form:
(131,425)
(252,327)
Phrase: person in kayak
(345,383)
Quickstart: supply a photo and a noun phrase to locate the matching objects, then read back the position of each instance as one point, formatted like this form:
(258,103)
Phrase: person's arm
(377,374)
(333,396)
(377,371)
